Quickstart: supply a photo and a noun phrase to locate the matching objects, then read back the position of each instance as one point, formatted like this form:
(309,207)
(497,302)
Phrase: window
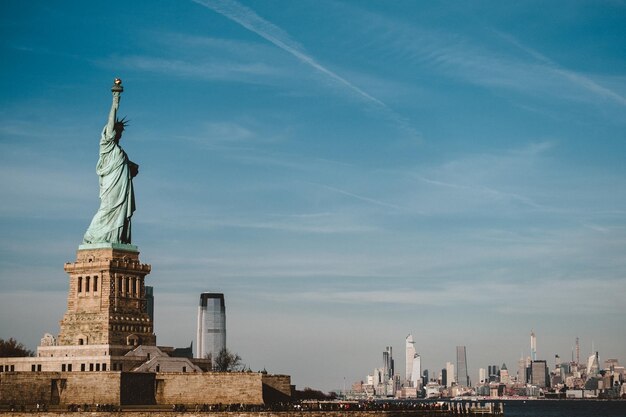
(12,368)
(184,369)
(91,367)
(82,367)
(119,285)
(86,284)
(104,366)
(63,368)
(1,368)
(32,368)
(69,367)
(80,284)
(97,367)
(38,368)
(127,288)
(95,284)
(158,368)
(81,342)
(134,287)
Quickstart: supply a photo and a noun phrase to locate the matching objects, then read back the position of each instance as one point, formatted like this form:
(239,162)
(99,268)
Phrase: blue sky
(345,172)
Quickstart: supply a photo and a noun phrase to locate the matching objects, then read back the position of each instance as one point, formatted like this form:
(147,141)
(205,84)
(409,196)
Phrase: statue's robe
(111,224)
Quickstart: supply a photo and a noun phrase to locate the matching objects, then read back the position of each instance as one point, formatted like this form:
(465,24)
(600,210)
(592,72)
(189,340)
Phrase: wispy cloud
(468,59)
(582,81)
(490,295)
(362,198)
(208,70)
(247,18)
(486,191)
(250,20)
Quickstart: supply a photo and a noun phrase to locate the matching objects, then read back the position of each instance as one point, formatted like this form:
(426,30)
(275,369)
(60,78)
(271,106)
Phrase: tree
(12,349)
(226,361)
(313,394)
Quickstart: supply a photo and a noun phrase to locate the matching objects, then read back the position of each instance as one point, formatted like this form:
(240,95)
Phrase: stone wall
(135,388)
(209,388)
(90,387)
(276,388)
(25,387)
(59,387)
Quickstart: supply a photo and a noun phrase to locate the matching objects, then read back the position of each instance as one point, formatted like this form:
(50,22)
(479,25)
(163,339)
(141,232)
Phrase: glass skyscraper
(211,336)
(462,378)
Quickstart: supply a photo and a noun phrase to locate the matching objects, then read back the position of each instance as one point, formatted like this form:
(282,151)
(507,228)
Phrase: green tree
(12,349)
(226,361)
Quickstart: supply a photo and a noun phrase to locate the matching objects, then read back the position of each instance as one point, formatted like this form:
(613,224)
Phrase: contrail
(267,30)
(359,197)
(580,80)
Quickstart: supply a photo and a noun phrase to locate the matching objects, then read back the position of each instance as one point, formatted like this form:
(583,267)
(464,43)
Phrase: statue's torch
(117,86)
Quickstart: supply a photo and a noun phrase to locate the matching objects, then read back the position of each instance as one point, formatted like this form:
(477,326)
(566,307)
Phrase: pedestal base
(106,304)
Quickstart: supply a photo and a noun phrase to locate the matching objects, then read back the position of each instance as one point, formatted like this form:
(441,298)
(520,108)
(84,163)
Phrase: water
(565,408)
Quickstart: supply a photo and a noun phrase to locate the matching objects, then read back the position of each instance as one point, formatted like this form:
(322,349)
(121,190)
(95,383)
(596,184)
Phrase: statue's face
(119,129)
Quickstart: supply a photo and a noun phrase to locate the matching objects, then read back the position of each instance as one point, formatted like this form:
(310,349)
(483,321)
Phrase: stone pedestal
(106,304)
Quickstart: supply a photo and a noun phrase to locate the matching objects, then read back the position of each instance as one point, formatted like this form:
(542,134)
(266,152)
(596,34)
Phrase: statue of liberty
(111,224)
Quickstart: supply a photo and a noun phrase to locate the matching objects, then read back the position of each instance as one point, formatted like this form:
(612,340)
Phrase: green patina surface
(120,246)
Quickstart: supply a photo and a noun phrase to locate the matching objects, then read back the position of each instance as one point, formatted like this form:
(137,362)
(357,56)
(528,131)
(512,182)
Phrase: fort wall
(137,388)
(59,387)
(209,388)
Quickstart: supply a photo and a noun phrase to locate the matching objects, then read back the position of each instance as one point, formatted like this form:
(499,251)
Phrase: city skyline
(533,373)
(344,172)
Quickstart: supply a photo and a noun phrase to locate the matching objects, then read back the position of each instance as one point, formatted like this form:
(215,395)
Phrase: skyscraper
(150,303)
(533,346)
(482,375)
(450,374)
(504,374)
(211,335)
(410,354)
(413,363)
(388,363)
(521,370)
(593,364)
(539,374)
(417,370)
(462,378)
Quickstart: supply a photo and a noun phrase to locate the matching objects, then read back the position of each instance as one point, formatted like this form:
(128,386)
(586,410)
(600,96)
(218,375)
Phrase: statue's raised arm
(112,222)
(117,93)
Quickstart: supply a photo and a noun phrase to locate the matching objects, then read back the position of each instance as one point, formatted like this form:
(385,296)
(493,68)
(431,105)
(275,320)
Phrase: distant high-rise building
(444,377)
(533,346)
(410,355)
(539,374)
(462,378)
(211,335)
(593,364)
(494,373)
(521,370)
(482,375)
(504,374)
(611,364)
(450,374)
(150,303)
(388,363)
(417,370)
